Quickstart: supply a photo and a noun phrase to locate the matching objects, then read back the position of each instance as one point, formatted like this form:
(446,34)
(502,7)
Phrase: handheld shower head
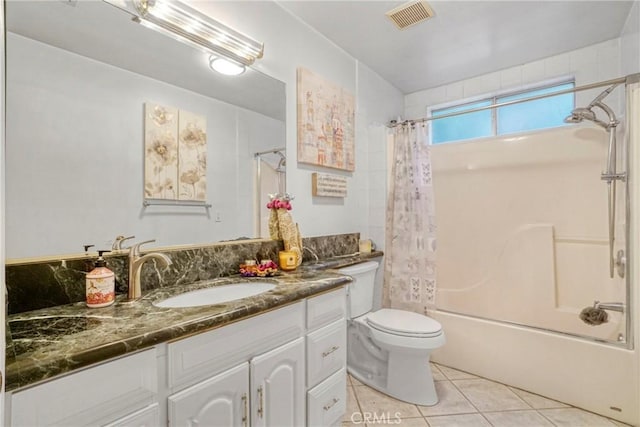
(579,114)
(586,113)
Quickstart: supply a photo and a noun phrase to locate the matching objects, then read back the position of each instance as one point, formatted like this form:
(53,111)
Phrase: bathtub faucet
(612,306)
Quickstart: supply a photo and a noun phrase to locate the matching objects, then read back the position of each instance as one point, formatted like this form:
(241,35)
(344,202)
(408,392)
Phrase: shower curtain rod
(275,150)
(619,80)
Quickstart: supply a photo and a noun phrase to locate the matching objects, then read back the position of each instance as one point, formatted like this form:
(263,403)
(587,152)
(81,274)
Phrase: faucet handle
(135,249)
(117,243)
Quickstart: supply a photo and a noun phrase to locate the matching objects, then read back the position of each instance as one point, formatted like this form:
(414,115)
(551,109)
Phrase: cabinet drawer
(326,351)
(146,417)
(327,402)
(327,308)
(201,356)
(90,397)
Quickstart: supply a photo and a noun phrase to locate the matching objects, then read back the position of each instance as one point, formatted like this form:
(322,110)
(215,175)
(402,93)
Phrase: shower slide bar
(631,78)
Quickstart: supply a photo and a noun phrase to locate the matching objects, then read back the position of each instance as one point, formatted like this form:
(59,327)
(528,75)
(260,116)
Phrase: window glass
(464,126)
(540,114)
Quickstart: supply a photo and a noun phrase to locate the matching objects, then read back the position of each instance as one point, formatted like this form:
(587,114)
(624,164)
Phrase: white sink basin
(216,294)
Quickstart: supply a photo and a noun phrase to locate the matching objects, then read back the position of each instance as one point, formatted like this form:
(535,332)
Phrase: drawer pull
(244,410)
(330,405)
(260,402)
(331,350)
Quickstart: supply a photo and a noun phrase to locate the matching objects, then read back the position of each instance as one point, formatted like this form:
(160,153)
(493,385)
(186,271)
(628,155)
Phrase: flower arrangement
(278,202)
(281,225)
(266,268)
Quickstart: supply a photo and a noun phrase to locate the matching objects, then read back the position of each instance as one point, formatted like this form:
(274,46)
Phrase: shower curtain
(410,248)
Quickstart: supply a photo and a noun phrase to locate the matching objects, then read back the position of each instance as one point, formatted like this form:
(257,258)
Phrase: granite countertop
(53,341)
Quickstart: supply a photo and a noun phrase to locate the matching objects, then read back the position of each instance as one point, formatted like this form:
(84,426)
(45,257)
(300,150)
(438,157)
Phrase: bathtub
(522,249)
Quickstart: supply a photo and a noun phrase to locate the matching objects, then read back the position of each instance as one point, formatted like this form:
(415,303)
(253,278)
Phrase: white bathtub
(522,248)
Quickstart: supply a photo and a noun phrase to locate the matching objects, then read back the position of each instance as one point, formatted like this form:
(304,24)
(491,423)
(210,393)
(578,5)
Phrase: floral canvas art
(161,152)
(192,157)
(326,123)
(175,154)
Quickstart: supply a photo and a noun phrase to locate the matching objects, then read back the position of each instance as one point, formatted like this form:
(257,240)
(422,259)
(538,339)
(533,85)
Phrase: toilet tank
(361,289)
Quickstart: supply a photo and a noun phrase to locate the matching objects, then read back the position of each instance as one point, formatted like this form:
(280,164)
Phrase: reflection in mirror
(74,133)
(271,174)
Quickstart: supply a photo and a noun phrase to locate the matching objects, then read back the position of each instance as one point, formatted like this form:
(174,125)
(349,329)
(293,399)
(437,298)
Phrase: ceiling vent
(410,14)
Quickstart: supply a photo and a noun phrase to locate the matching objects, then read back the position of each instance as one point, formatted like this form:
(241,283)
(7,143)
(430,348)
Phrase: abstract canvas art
(175,146)
(326,123)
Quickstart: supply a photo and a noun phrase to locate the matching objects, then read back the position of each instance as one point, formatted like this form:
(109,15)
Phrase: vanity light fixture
(225,66)
(188,25)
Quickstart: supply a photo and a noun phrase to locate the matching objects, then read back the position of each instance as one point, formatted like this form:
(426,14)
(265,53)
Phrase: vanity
(273,359)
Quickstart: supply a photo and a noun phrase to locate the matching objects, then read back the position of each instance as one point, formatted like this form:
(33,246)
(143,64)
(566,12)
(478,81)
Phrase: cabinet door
(218,401)
(277,387)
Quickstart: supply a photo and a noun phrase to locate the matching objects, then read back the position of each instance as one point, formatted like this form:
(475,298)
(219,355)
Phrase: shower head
(586,113)
(579,114)
(282,164)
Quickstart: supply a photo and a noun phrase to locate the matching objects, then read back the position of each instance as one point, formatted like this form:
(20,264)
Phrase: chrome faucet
(315,255)
(135,266)
(117,243)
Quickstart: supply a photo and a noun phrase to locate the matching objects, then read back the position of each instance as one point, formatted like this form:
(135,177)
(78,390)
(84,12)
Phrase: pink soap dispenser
(100,284)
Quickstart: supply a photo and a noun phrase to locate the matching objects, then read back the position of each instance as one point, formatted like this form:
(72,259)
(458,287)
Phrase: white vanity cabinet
(283,367)
(222,400)
(267,391)
(108,394)
(259,373)
(326,344)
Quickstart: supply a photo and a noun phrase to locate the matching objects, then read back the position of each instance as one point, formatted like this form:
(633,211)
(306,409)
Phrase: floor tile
(437,373)
(536,401)
(454,374)
(352,405)
(573,417)
(620,423)
(468,420)
(517,418)
(404,422)
(490,396)
(354,381)
(373,402)
(451,401)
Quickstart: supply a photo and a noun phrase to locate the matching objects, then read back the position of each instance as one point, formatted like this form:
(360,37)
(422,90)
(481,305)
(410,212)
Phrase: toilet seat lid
(400,322)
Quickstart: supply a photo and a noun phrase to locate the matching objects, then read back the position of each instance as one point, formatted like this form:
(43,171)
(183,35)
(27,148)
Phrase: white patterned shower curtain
(410,240)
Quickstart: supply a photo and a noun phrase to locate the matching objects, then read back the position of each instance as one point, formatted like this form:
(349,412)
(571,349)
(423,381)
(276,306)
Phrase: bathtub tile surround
(36,285)
(470,401)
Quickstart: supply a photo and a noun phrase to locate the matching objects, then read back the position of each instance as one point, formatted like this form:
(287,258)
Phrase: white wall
(590,64)
(75,159)
(630,41)
(289,44)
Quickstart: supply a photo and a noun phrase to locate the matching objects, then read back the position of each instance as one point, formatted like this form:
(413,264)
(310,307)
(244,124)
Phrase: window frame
(493,99)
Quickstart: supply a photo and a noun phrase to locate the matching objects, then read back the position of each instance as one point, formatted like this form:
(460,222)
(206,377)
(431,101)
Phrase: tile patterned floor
(465,400)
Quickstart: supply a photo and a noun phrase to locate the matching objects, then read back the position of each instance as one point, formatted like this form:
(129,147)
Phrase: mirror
(78,75)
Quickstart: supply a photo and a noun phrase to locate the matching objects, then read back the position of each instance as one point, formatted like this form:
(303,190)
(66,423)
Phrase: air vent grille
(410,14)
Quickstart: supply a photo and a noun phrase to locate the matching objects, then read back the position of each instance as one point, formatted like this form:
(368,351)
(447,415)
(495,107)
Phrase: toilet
(389,349)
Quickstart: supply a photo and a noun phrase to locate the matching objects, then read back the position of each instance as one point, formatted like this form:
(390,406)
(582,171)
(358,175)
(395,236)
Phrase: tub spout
(611,306)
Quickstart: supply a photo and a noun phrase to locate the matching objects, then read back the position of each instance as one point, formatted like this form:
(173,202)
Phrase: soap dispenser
(100,284)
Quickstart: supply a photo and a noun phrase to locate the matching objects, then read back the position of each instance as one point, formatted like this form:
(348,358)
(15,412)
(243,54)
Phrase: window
(525,116)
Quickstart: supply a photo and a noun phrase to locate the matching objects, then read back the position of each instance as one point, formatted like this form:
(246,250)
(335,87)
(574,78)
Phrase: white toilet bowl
(389,349)
(393,358)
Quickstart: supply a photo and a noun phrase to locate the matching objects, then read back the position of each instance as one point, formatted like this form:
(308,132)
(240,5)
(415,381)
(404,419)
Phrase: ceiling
(464,39)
